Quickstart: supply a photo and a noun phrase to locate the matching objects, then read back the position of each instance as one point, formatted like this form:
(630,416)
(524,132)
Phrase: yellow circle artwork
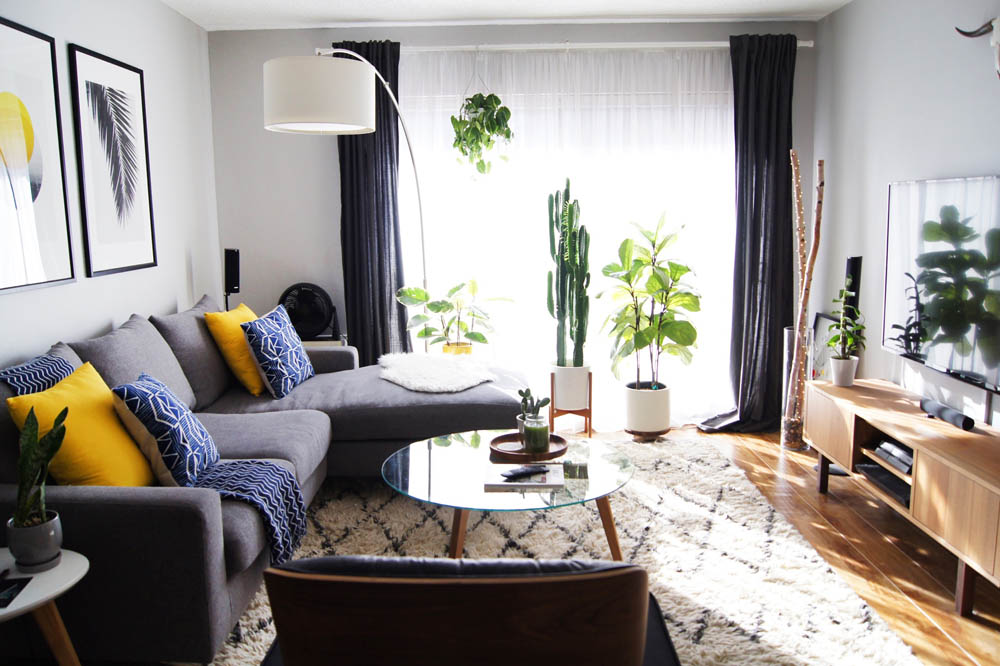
(13,109)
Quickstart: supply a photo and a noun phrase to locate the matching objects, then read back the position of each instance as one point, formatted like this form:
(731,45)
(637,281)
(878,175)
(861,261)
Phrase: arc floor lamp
(320,94)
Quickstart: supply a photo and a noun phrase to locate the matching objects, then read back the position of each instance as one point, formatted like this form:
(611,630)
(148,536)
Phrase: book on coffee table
(551,479)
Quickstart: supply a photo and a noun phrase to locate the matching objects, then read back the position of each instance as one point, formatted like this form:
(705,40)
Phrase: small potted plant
(480,123)
(568,303)
(653,300)
(34,533)
(451,320)
(847,338)
(533,427)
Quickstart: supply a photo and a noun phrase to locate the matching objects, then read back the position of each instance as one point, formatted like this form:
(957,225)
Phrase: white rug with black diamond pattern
(736,581)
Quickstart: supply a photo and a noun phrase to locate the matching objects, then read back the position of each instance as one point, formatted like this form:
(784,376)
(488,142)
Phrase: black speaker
(853,280)
(232,278)
(946,413)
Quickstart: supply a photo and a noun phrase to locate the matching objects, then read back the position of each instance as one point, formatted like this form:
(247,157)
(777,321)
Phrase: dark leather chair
(380,610)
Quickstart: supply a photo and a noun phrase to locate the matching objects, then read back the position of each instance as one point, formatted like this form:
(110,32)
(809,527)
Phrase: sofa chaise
(172,569)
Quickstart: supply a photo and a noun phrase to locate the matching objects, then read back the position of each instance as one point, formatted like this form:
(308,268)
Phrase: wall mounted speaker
(232,276)
(853,278)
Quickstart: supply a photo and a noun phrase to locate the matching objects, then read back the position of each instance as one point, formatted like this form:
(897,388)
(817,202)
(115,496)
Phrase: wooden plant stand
(585,413)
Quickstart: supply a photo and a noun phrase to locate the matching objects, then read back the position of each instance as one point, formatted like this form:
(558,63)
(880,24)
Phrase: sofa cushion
(131,349)
(96,450)
(363,406)
(277,349)
(173,440)
(192,344)
(300,437)
(244,534)
(38,374)
(9,433)
(232,342)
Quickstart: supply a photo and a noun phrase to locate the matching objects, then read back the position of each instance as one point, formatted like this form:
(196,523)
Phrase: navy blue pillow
(170,436)
(278,350)
(39,374)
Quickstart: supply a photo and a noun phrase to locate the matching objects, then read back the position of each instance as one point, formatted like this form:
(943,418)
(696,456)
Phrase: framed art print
(109,111)
(34,221)
(821,351)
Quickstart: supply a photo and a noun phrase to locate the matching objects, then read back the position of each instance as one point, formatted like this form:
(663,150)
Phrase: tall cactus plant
(569,245)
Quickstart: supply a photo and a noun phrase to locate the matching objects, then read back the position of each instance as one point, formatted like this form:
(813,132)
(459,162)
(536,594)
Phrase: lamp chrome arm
(409,144)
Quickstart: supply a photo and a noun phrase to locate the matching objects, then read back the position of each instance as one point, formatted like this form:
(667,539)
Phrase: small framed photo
(821,353)
(34,221)
(112,150)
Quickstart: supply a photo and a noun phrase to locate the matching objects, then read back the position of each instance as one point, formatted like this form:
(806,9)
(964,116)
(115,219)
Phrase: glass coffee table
(451,471)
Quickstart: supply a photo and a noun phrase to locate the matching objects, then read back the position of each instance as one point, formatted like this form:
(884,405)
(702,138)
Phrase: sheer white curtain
(638,133)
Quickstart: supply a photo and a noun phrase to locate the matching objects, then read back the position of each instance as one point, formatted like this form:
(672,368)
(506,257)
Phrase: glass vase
(536,434)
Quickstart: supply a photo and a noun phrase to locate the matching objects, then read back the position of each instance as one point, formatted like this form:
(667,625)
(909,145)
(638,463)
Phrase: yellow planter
(458,348)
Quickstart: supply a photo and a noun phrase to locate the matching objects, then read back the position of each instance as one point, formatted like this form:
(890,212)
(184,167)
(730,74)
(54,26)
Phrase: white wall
(279,195)
(173,54)
(899,95)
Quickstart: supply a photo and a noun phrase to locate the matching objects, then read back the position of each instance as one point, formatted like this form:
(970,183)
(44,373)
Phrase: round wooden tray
(508,448)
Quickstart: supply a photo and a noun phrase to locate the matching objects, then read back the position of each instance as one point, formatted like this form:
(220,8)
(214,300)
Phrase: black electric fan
(311,310)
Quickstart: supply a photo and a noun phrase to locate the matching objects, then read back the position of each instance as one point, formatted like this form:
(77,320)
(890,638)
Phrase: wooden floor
(902,573)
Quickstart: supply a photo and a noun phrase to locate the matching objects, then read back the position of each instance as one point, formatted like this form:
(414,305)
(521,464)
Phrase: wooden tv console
(954,487)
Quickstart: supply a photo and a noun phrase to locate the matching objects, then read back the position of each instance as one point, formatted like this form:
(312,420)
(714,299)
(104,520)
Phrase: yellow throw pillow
(97,450)
(232,342)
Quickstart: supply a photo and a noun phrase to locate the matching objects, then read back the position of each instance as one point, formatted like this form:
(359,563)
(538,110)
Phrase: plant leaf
(410,296)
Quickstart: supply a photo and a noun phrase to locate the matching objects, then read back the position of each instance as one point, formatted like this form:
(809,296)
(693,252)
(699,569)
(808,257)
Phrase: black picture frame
(60,191)
(821,352)
(92,218)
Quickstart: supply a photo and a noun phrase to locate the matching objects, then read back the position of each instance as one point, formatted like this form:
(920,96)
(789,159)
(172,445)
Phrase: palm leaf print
(110,109)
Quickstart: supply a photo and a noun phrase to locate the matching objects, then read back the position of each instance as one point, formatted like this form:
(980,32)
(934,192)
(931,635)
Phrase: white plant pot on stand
(647,411)
(842,370)
(571,388)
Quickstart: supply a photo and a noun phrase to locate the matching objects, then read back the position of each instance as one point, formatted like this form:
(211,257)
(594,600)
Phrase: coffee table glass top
(451,471)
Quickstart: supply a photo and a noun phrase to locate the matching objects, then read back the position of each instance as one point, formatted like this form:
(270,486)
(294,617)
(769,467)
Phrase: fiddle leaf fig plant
(654,300)
(450,319)
(33,468)
(480,123)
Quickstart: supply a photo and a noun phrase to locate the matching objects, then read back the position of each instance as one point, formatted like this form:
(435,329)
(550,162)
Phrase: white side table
(39,596)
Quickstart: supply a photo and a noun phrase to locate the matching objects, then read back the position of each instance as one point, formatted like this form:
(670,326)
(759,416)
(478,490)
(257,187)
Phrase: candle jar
(536,434)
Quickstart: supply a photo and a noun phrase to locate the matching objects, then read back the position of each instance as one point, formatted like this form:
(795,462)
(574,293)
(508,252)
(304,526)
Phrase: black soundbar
(946,413)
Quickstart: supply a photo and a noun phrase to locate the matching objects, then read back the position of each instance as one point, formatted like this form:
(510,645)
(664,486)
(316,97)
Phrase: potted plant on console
(654,301)
(451,320)
(34,533)
(847,338)
(567,300)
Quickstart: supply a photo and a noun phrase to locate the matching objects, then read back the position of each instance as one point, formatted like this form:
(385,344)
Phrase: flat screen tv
(942,276)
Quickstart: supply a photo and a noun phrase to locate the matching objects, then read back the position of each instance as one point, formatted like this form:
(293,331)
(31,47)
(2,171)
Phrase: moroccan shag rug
(736,581)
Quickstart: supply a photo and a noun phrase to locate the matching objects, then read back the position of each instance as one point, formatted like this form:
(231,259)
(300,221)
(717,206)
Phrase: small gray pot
(36,548)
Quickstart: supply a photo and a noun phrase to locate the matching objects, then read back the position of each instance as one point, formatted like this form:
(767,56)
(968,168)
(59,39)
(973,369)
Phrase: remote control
(521,472)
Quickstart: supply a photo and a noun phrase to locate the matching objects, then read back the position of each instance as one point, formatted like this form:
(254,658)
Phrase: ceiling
(262,14)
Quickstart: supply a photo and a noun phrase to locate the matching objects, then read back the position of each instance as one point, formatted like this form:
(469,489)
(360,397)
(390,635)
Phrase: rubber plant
(33,468)
(653,300)
(847,333)
(450,319)
(480,123)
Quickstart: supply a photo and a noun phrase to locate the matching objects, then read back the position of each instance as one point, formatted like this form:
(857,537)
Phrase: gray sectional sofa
(172,569)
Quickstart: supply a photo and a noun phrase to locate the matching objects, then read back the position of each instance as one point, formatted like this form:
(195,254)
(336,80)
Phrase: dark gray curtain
(763,279)
(369,219)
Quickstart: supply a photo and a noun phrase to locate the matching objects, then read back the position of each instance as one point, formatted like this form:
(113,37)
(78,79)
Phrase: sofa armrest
(333,359)
(156,562)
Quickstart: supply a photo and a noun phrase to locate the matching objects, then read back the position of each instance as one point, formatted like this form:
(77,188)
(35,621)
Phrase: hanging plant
(480,123)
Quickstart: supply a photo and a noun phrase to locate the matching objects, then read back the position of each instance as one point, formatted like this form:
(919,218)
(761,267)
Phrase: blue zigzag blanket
(275,493)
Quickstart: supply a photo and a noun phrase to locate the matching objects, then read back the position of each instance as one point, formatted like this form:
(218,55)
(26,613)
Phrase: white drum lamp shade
(319,95)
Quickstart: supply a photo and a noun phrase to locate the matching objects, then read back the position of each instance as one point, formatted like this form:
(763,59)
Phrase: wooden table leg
(604,506)
(965,589)
(50,622)
(823,481)
(458,525)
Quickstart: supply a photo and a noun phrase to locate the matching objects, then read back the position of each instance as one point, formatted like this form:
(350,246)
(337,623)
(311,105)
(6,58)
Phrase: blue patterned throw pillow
(278,350)
(170,436)
(39,374)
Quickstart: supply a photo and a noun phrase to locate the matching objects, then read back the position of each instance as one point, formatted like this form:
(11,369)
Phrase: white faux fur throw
(434,373)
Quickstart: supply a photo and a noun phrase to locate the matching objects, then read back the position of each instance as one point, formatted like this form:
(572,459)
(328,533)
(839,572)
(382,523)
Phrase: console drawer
(829,428)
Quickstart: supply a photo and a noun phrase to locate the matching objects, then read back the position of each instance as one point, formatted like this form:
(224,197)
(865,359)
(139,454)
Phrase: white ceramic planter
(647,412)
(842,370)
(571,387)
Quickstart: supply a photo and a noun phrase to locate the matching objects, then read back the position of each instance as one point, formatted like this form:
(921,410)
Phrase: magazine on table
(547,477)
